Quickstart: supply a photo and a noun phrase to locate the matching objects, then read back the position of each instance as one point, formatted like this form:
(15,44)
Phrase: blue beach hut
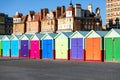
(15,45)
(6,46)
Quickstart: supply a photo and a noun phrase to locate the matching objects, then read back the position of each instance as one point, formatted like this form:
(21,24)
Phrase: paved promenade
(25,69)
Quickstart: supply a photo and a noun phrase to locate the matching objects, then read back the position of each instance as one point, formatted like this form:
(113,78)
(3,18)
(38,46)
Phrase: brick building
(76,18)
(61,20)
(19,23)
(49,21)
(33,22)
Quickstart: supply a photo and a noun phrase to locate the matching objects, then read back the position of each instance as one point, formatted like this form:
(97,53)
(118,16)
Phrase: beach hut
(112,45)
(15,45)
(94,42)
(35,46)
(24,45)
(6,46)
(77,45)
(1,46)
(62,47)
(48,46)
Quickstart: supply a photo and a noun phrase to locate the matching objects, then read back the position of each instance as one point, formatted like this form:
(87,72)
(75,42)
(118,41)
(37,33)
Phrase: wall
(18,28)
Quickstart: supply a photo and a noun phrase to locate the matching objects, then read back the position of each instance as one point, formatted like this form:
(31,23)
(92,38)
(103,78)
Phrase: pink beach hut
(35,46)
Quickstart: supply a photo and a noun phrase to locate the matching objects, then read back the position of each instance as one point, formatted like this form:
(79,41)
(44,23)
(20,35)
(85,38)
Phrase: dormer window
(17,20)
(68,13)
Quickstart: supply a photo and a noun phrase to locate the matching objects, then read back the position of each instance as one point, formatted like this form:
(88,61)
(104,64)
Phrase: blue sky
(23,6)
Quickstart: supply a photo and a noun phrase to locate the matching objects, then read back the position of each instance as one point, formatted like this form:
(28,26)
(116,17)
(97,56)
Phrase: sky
(10,7)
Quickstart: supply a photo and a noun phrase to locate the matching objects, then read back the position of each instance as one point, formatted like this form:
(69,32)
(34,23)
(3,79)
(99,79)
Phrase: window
(69,26)
(51,22)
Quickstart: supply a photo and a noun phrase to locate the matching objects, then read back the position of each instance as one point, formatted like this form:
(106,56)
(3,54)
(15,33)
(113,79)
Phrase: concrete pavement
(25,69)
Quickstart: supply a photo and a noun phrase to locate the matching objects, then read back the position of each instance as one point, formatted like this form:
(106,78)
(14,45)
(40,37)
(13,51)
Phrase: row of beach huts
(80,45)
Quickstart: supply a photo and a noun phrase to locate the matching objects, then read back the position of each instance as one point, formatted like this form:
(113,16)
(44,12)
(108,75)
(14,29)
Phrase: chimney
(58,12)
(90,8)
(78,10)
(62,10)
(41,12)
(31,12)
(45,11)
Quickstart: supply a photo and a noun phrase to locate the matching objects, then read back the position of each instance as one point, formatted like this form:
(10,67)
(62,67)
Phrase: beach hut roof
(52,35)
(96,33)
(6,37)
(92,33)
(40,35)
(1,36)
(13,36)
(18,36)
(84,33)
(117,30)
(27,35)
(78,34)
(68,34)
(113,33)
(102,33)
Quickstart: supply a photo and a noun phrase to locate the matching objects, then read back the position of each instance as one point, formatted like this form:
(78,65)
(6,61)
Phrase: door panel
(74,48)
(64,49)
(89,49)
(58,49)
(34,49)
(80,48)
(74,51)
(14,48)
(117,49)
(6,48)
(24,48)
(80,52)
(61,47)
(77,48)
(0,48)
(93,51)
(109,49)
(47,49)
(96,49)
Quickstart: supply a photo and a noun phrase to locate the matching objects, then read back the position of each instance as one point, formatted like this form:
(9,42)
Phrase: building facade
(112,13)
(76,18)
(19,23)
(49,22)
(65,21)
(61,20)
(9,26)
(33,22)
(5,24)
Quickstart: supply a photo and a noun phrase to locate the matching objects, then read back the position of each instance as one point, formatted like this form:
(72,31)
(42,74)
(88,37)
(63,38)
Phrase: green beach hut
(112,45)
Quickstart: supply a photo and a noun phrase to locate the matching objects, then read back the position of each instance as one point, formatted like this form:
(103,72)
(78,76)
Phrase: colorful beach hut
(62,47)
(35,46)
(94,45)
(15,45)
(77,45)
(48,46)
(1,46)
(6,46)
(24,45)
(112,45)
